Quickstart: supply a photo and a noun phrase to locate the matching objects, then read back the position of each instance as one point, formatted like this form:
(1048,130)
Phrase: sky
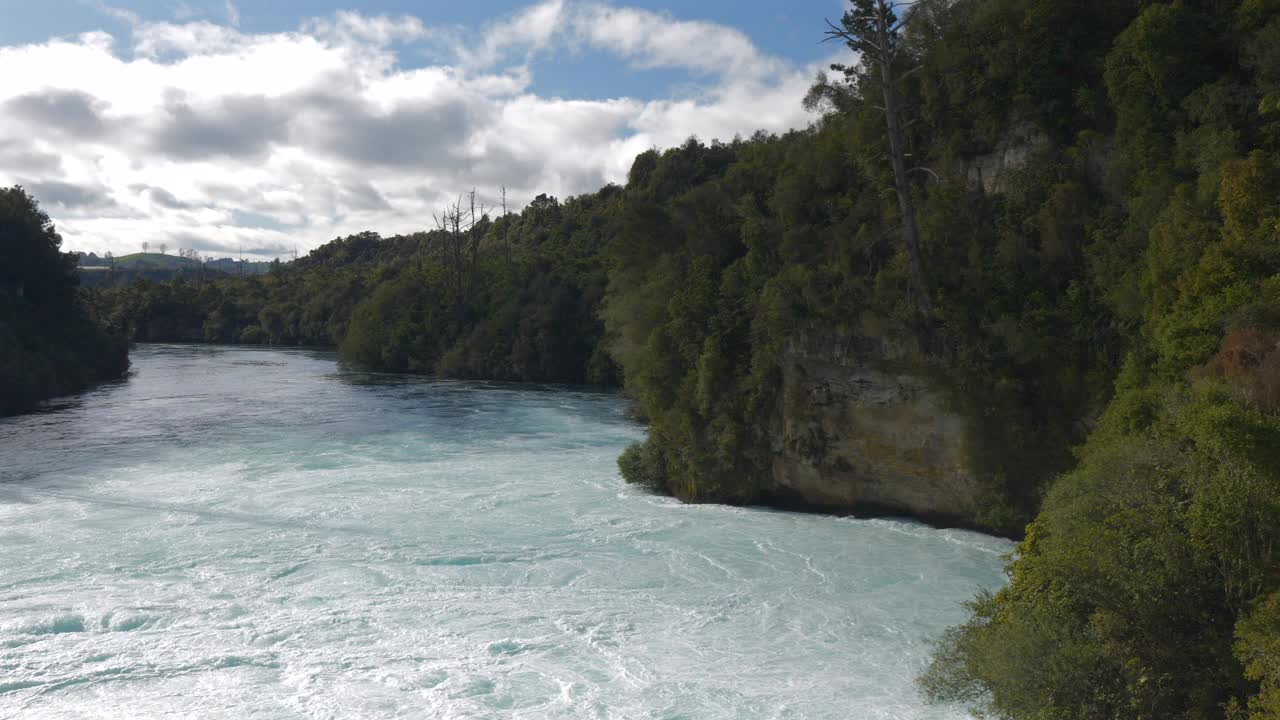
(229,127)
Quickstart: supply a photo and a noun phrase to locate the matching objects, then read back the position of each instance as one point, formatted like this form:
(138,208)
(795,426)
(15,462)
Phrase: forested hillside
(1147,586)
(49,343)
(1096,190)
(513,297)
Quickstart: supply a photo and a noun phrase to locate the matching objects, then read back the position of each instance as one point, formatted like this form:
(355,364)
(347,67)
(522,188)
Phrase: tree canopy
(49,343)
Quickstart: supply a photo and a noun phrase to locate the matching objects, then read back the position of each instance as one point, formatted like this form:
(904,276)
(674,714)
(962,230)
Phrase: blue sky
(210,124)
(786,28)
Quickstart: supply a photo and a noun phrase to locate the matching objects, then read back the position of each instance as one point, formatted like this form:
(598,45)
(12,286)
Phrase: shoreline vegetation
(1095,205)
(51,343)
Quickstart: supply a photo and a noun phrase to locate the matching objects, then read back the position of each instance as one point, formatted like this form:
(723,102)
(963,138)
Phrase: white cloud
(202,135)
(379,31)
(233,14)
(529,30)
(201,37)
(652,40)
(126,16)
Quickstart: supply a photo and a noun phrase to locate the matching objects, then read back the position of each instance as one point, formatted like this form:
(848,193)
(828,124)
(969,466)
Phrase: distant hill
(154,261)
(232,266)
(95,271)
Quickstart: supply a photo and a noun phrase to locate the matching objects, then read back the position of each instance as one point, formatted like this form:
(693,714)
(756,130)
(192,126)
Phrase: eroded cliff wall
(855,431)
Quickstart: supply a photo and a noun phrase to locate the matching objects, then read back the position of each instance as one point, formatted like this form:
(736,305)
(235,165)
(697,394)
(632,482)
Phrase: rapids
(254,533)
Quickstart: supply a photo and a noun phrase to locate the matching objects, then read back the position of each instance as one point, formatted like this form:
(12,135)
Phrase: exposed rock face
(852,435)
(990,172)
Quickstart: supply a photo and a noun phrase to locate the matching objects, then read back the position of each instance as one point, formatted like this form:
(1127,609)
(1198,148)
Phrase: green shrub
(253,335)
(641,465)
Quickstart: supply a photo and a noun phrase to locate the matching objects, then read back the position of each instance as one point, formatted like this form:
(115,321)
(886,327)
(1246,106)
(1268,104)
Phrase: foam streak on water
(238,533)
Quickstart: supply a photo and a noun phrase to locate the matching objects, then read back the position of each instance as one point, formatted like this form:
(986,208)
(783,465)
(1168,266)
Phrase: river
(259,533)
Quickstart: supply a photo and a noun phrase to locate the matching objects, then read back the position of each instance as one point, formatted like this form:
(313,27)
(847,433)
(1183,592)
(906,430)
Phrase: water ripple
(257,533)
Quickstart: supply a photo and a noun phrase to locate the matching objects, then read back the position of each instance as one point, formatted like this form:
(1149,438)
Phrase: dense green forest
(1105,310)
(1149,584)
(50,343)
(509,298)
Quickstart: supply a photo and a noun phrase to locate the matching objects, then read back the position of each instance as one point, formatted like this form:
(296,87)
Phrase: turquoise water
(239,533)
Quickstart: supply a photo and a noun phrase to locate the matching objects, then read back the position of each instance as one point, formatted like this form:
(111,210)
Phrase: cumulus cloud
(69,195)
(527,31)
(23,160)
(201,135)
(232,127)
(71,112)
(652,40)
(164,198)
(378,31)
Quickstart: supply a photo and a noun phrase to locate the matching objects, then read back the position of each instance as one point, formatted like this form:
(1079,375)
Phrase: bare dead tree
(506,230)
(474,231)
(472,245)
(460,230)
(446,221)
(873,30)
(450,222)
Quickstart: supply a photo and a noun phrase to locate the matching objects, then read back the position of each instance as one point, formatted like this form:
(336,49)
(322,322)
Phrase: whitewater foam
(254,533)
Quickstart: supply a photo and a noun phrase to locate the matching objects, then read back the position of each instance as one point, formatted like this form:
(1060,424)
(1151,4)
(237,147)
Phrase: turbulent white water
(238,533)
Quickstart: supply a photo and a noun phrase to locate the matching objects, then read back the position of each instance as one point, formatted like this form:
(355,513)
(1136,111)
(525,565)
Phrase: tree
(462,227)
(872,29)
(145,246)
(163,248)
(49,343)
(34,265)
(506,228)
(450,224)
(475,233)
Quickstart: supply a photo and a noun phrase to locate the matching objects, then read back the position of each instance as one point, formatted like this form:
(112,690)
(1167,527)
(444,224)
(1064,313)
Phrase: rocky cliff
(858,429)
(854,433)
(991,171)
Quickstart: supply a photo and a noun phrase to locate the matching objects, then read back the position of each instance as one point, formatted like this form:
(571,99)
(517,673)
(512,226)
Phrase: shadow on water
(443,398)
(183,405)
(12,492)
(366,378)
(75,401)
